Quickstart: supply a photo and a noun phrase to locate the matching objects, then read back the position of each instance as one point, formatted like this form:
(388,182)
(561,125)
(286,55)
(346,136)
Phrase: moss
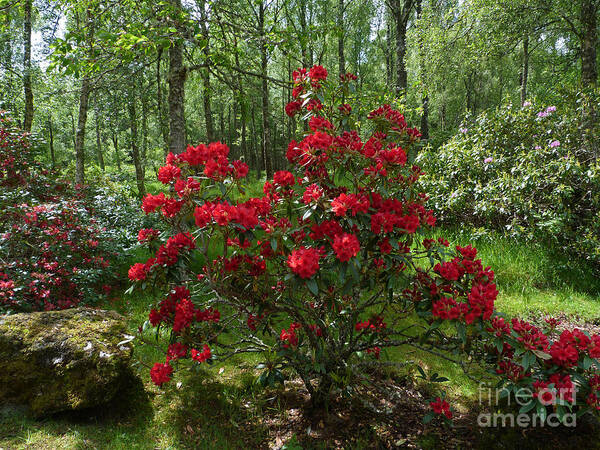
(62,359)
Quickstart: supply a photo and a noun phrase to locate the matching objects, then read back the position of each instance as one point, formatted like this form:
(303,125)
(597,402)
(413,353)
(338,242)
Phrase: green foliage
(526,170)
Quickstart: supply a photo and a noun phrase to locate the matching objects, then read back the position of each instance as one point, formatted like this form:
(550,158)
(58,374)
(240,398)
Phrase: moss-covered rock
(60,360)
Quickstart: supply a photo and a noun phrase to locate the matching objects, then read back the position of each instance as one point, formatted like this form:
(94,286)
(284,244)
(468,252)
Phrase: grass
(534,279)
(223,407)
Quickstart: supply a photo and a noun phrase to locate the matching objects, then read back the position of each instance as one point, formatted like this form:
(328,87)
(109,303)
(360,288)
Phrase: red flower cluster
(289,337)
(292,108)
(161,373)
(202,356)
(346,246)
(283,178)
(147,234)
(375,324)
(304,262)
(356,203)
(441,407)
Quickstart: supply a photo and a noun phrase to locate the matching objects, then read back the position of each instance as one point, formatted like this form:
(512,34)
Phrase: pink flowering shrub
(526,170)
(324,271)
(54,252)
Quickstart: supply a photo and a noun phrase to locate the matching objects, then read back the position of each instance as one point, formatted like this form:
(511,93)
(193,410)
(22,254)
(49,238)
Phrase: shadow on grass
(203,413)
(106,426)
(211,413)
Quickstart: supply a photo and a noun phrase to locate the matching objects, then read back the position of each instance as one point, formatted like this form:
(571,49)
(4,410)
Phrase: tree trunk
(27,66)
(266,143)
(589,78)
(144,130)
(305,38)
(222,123)
(525,69)
(341,34)
(83,111)
(469,91)
(244,145)
(389,62)
(206,89)
(163,123)
(206,97)
(115,140)
(80,133)
(589,43)
(240,106)
(443,116)
(98,139)
(401,15)
(177,75)
(229,127)
(73,130)
(139,172)
(255,157)
(51,141)
(6,56)
(320,396)
(425,117)
(424,93)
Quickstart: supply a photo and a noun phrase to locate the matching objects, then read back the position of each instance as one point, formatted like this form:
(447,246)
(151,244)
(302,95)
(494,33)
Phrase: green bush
(527,170)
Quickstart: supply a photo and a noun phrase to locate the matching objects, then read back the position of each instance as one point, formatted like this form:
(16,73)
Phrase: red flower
(202,216)
(202,356)
(137,272)
(283,178)
(312,193)
(187,187)
(564,353)
(176,350)
(171,207)
(318,73)
(375,351)
(346,246)
(151,202)
(317,123)
(154,317)
(161,373)
(240,169)
(440,407)
(304,262)
(246,216)
(289,336)
(168,173)
(448,270)
(184,314)
(147,235)
(292,108)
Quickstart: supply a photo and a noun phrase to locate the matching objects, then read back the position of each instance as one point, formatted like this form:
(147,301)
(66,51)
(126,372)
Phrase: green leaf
(587,362)
(541,411)
(527,407)
(312,286)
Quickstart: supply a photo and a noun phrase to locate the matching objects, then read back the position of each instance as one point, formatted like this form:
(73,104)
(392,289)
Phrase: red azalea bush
(330,266)
(53,258)
(53,250)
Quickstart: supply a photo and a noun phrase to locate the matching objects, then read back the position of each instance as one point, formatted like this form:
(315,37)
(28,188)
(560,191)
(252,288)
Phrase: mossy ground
(224,408)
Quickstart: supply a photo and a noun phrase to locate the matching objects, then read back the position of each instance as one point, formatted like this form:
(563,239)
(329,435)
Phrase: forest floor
(224,408)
